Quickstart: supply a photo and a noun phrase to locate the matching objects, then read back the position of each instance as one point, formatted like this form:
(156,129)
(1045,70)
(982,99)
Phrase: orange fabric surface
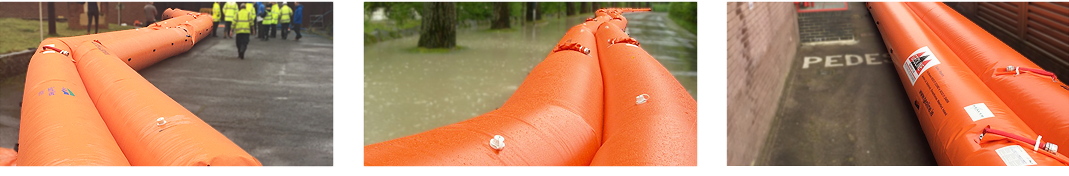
(661,131)
(130,106)
(7,157)
(1038,101)
(146,46)
(60,125)
(553,118)
(944,95)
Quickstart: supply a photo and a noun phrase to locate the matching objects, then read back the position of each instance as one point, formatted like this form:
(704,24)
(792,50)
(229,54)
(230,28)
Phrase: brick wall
(130,12)
(29,10)
(761,42)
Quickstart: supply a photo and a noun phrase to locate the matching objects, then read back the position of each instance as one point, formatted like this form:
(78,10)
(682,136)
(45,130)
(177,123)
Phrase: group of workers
(240,22)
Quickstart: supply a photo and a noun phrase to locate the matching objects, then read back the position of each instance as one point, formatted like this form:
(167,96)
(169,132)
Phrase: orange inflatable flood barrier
(964,121)
(7,157)
(147,126)
(553,118)
(146,46)
(60,125)
(1038,98)
(150,127)
(650,119)
(559,114)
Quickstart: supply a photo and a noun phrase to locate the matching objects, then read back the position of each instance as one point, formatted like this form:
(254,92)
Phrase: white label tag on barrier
(1014,155)
(978,111)
(918,62)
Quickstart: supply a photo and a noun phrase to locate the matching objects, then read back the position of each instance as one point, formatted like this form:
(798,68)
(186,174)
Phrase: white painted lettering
(810,60)
(850,58)
(829,61)
(871,59)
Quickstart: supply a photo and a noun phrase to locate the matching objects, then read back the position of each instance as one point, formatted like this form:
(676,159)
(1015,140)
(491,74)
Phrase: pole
(41,21)
(119,6)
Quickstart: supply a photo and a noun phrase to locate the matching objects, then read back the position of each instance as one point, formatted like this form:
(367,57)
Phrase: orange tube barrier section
(1040,101)
(144,47)
(143,125)
(543,121)
(7,157)
(650,119)
(150,127)
(60,125)
(953,105)
(198,24)
(554,118)
(161,40)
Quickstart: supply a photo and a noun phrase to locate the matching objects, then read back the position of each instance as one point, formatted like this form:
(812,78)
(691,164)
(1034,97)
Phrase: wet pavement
(277,103)
(406,93)
(844,104)
(674,47)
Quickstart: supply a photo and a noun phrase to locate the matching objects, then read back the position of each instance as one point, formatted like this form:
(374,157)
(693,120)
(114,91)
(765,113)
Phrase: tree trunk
(584,7)
(537,11)
(501,21)
(529,11)
(594,6)
(569,8)
(52,18)
(439,25)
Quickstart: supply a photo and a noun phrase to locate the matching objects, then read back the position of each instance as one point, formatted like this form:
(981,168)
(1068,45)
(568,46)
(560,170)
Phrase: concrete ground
(843,104)
(277,103)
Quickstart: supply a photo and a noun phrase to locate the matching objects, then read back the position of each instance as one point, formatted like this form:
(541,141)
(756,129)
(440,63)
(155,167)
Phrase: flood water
(406,93)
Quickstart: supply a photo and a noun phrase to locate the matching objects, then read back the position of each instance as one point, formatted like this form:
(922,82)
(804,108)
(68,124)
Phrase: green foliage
(685,14)
(551,8)
(660,7)
(400,12)
(474,11)
(516,8)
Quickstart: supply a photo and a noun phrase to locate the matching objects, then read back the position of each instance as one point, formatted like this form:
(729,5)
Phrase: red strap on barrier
(628,40)
(60,51)
(572,46)
(1040,72)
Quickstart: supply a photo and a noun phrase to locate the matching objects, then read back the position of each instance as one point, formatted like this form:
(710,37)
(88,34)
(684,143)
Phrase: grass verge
(19,34)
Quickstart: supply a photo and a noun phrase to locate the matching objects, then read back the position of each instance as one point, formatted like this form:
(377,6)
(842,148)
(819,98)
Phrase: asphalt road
(843,104)
(277,103)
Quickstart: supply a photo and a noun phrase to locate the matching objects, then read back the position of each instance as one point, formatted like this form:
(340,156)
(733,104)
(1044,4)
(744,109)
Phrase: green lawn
(385,26)
(20,34)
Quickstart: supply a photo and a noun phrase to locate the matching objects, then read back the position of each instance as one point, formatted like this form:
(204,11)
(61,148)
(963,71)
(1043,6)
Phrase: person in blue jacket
(260,12)
(298,15)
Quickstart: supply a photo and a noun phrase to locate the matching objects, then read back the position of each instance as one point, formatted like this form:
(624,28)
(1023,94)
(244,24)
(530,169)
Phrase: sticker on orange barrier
(918,62)
(952,134)
(1015,155)
(978,111)
(1036,97)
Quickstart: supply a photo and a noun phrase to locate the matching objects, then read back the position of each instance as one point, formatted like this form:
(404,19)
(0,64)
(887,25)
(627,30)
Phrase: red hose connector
(1038,143)
(572,46)
(1017,70)
(627,40)
(60,51)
